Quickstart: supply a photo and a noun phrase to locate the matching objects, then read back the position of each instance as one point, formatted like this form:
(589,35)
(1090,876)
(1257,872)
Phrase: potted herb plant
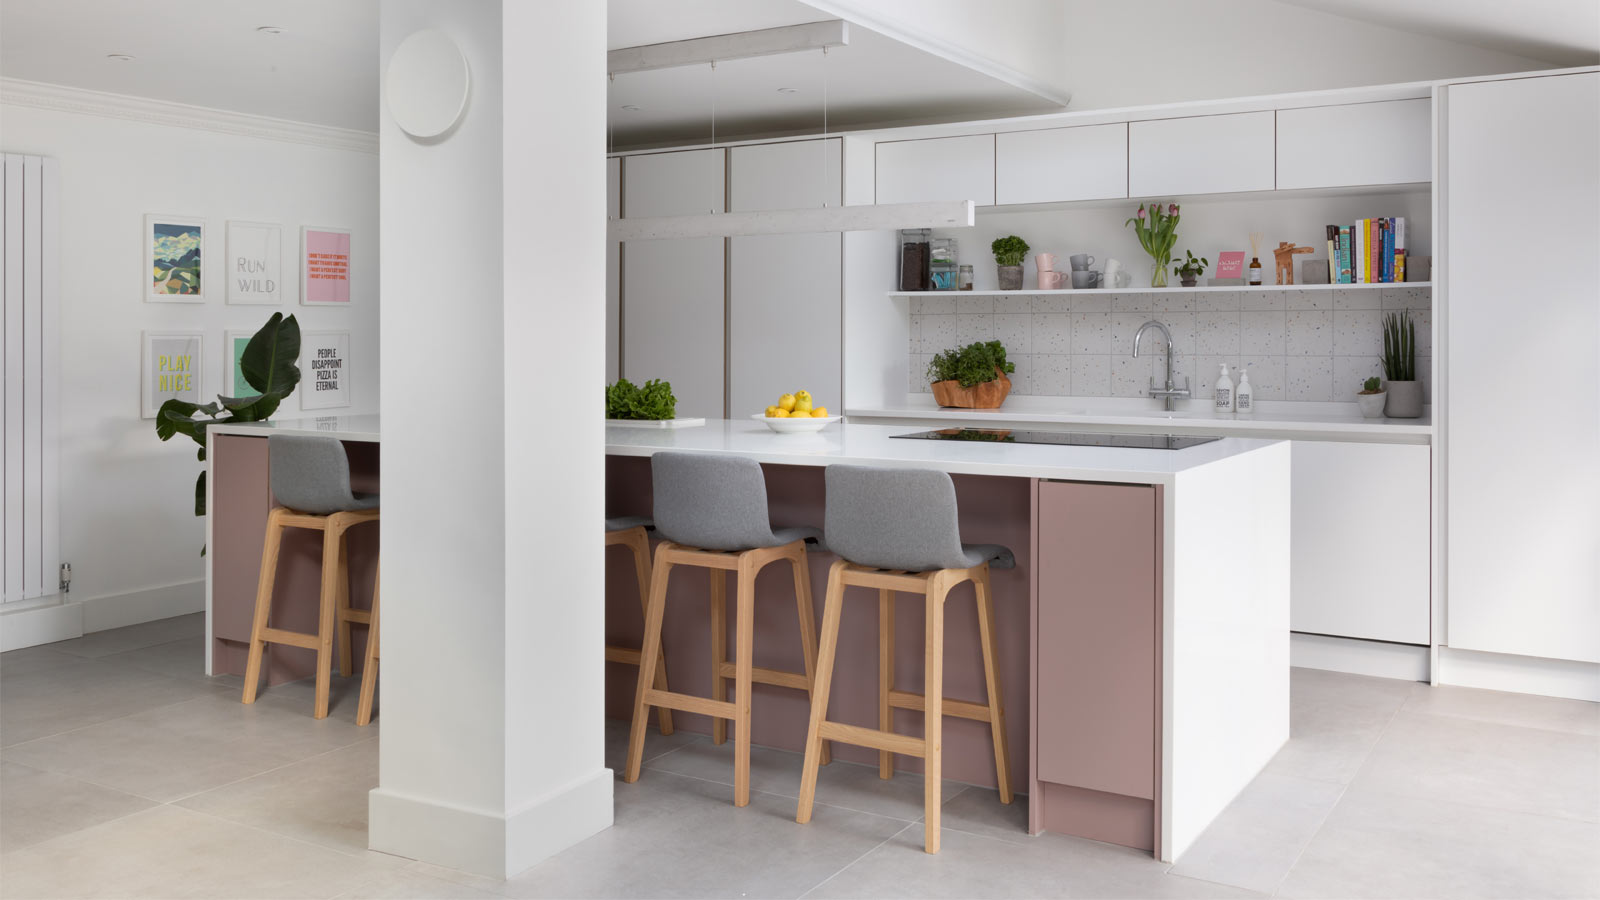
(1190,270)
(1400,367)
(1157,231)
(971,377)
(1009,253)
(1371,398)
(652,400)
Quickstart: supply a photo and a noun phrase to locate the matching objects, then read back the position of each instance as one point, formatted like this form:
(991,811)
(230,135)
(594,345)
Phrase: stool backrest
(711,501)
(894,518)
(309,473)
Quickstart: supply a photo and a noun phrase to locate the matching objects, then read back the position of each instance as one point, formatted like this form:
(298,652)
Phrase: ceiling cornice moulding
(60,98)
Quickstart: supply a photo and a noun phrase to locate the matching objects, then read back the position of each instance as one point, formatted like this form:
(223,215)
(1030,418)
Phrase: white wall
(127,508)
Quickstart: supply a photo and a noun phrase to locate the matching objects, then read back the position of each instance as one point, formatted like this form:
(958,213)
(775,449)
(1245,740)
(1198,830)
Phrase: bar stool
(896,530)
(633,532)
(310,479)
(712,512)
(369,667)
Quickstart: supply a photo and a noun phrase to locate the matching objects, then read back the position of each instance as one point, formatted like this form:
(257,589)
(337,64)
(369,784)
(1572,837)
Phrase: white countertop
(1327,421)
(345,428)
(873,445)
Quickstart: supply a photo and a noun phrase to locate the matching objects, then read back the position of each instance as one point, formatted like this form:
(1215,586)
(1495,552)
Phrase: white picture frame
(171,364)
(253,268)
(232,383)
(165,278)
(325,266)
(324,370)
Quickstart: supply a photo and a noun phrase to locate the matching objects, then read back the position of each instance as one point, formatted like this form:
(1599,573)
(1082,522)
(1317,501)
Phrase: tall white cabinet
(673,300)
(785,304)
(1521,174)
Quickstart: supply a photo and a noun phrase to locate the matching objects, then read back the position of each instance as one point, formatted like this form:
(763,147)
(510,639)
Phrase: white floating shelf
(1169,290)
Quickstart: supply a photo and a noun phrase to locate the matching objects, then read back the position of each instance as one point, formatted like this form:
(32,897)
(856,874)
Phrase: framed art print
(324,369)
(324,266)
(254,269)
(174,264)
(170,367)
(233,382)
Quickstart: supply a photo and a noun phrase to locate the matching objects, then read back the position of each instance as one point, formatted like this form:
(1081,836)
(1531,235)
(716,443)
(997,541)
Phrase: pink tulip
(1141,211)
(1172,209)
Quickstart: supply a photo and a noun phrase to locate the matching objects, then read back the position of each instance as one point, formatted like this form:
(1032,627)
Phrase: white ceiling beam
(740,45)
(823,219)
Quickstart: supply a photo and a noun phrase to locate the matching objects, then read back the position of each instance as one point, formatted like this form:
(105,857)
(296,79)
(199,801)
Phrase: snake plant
(1399,347)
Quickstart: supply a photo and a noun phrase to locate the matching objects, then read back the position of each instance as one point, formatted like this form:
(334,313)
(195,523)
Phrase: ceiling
(1560,32)
(322,68)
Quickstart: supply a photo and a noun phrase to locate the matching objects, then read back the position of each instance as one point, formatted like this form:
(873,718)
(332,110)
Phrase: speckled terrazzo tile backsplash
(1310,345)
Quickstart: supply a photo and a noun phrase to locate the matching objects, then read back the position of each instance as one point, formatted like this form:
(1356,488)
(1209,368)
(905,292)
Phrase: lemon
(772,412)
(802,397)
(779,412)
(820,412)
(786,402)
(802,404)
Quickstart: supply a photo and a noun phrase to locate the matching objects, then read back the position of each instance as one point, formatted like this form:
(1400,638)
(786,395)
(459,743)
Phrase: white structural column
(493,243)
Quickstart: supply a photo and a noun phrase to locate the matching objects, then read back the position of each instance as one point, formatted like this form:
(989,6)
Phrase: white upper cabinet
(1089,162)
(1200,155)
(1355,144)
(953,168)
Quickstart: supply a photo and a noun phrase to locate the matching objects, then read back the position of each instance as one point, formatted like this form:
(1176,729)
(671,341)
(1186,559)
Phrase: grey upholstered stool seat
(310,480)
(631,532)
(711,512)
(897,530)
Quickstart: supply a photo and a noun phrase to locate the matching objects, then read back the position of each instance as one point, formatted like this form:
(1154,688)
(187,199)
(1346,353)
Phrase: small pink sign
(326,266)
(1230,264)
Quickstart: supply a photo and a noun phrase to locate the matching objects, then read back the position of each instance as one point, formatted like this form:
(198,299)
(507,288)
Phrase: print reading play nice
(325,370)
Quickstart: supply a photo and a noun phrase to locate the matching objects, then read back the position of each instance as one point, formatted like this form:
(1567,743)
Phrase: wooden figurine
(1285,256)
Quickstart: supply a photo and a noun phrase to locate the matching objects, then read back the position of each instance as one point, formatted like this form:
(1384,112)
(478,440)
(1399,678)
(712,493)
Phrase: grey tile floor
(124,772)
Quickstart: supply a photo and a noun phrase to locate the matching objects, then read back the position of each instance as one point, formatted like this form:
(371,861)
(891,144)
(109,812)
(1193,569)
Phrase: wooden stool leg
(332,536)
(649,653)
(346,664)
(933,704)
(719,648)
(832,606)
(264,582)
(743,665)
(639,543)
(808,628)
(991,677)
(369,665)
(885,675)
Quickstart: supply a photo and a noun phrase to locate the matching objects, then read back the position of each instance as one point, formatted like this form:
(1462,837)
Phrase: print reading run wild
(326,367)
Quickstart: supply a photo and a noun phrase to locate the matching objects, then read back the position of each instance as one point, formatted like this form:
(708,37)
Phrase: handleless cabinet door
(785,303)
(672,290)
(613,272)
(952,168)
(1356,143)
(1522,424)
(1201,155)
(1089,162)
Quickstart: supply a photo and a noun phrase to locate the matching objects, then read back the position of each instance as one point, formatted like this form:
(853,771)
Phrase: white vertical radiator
(29,405)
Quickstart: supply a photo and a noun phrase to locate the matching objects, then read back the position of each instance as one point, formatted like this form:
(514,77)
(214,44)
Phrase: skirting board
(487,843)
(1379,659)
(43,622)
(134,607)
(1520,674)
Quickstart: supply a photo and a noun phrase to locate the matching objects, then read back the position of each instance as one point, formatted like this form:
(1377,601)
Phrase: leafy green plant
(1192,267)
(1372,385)
(1009,251)
(975,363)
(269,364)
(652,400)
(1399,347)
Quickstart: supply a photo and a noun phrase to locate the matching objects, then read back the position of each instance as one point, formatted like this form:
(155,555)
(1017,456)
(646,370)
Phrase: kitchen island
(1143,633)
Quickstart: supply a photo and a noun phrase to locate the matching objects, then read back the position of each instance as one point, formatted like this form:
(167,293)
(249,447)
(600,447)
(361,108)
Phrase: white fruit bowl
(796,426)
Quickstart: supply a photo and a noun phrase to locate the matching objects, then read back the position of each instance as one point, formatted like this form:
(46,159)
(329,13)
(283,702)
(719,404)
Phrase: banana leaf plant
(270,366)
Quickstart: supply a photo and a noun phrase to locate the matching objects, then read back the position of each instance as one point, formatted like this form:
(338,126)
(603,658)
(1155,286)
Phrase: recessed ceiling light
(119,57)
(630,108)
(270,29)
(788,90)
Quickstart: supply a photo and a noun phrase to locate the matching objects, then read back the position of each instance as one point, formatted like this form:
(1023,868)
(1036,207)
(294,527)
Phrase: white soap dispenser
(1223,394)
(1244,396)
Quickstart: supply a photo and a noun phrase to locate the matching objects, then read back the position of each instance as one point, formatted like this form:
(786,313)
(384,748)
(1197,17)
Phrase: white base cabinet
(1361,543)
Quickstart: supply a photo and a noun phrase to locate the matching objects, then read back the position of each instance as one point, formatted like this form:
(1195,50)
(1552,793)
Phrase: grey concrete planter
(1405,400)
(1010,278)
(1372,404)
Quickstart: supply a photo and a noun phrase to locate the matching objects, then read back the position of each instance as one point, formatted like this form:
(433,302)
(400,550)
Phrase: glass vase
(1158,275)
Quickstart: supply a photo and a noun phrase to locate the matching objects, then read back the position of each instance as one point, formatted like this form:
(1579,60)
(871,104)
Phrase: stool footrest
(721,709)
(777,677)
(963,709)
(292,638)
(872,737)
(623,655)
(358,616)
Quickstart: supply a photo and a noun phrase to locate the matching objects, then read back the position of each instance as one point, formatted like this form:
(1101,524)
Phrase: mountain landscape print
(175,261)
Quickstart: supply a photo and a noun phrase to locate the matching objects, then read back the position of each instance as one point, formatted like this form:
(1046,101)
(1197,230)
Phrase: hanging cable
(713,180)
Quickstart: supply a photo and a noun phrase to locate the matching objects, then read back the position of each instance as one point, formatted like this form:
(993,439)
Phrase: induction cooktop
(1064,438)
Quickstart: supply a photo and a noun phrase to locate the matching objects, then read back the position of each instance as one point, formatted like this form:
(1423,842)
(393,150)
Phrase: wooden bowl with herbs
(971,377)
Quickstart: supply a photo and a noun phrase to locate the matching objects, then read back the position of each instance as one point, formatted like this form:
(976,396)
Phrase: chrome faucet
(1171,390)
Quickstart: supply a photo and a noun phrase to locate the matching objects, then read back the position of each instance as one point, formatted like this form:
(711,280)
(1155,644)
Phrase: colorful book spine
(1332,233)
(1400,249)
(1388,251)
(1374,250)
(1346,271)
